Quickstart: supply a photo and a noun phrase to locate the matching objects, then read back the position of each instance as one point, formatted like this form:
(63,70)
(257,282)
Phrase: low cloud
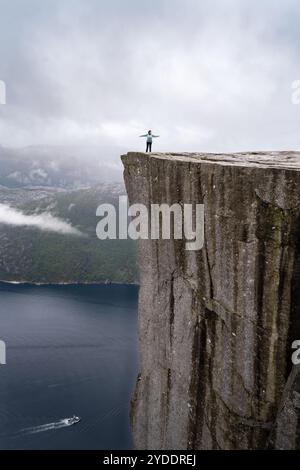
(44,221)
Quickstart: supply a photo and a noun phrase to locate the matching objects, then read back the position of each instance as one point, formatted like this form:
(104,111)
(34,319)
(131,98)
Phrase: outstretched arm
(155,135)
(144,135)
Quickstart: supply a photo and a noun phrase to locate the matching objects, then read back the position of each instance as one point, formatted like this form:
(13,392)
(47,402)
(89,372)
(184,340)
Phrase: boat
(73,420)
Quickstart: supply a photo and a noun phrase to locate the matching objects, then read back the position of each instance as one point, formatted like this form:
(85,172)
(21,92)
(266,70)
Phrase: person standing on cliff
(149,137)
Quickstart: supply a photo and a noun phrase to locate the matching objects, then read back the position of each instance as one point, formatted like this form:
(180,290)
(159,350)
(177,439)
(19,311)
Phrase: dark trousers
(149,146)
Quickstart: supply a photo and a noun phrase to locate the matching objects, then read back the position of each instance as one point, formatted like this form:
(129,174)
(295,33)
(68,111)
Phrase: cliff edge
(216,325)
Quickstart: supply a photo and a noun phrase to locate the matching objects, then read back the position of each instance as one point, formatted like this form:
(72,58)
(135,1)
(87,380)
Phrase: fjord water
(71,350)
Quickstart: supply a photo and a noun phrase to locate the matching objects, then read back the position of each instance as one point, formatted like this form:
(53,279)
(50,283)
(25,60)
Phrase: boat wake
(62,423)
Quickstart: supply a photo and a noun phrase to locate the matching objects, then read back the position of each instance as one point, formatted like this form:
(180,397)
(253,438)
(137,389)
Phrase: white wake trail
(46,427)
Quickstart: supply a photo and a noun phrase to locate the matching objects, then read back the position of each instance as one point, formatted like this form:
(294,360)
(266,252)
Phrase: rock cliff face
(216,325)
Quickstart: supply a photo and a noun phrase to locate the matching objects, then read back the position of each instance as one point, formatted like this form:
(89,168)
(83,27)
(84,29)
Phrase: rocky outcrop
(286,431)
(216,325)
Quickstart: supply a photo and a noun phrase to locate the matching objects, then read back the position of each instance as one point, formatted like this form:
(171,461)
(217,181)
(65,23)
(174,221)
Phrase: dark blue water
(70,350)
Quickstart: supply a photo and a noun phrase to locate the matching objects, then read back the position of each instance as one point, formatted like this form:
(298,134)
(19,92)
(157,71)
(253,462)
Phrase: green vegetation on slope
(32,255)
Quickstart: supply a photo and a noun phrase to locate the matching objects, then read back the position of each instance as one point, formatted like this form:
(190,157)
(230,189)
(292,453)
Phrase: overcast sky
(206,75)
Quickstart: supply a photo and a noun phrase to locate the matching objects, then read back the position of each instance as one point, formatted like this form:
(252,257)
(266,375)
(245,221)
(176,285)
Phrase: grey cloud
(208,76)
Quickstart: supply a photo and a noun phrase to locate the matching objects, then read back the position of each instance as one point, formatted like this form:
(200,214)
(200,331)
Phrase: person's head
(149,132)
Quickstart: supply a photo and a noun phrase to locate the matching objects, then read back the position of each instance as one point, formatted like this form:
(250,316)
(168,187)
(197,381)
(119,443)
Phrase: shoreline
(69,283)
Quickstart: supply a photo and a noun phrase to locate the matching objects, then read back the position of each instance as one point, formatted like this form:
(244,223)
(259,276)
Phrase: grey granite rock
(216,325)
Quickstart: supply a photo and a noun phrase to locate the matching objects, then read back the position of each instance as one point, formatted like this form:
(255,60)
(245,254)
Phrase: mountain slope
(29,254)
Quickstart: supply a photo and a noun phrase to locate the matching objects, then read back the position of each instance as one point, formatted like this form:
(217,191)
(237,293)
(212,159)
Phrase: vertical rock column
(216,325)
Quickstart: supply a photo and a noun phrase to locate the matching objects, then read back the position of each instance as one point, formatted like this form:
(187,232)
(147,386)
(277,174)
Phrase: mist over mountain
(48,201)
(58,166)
